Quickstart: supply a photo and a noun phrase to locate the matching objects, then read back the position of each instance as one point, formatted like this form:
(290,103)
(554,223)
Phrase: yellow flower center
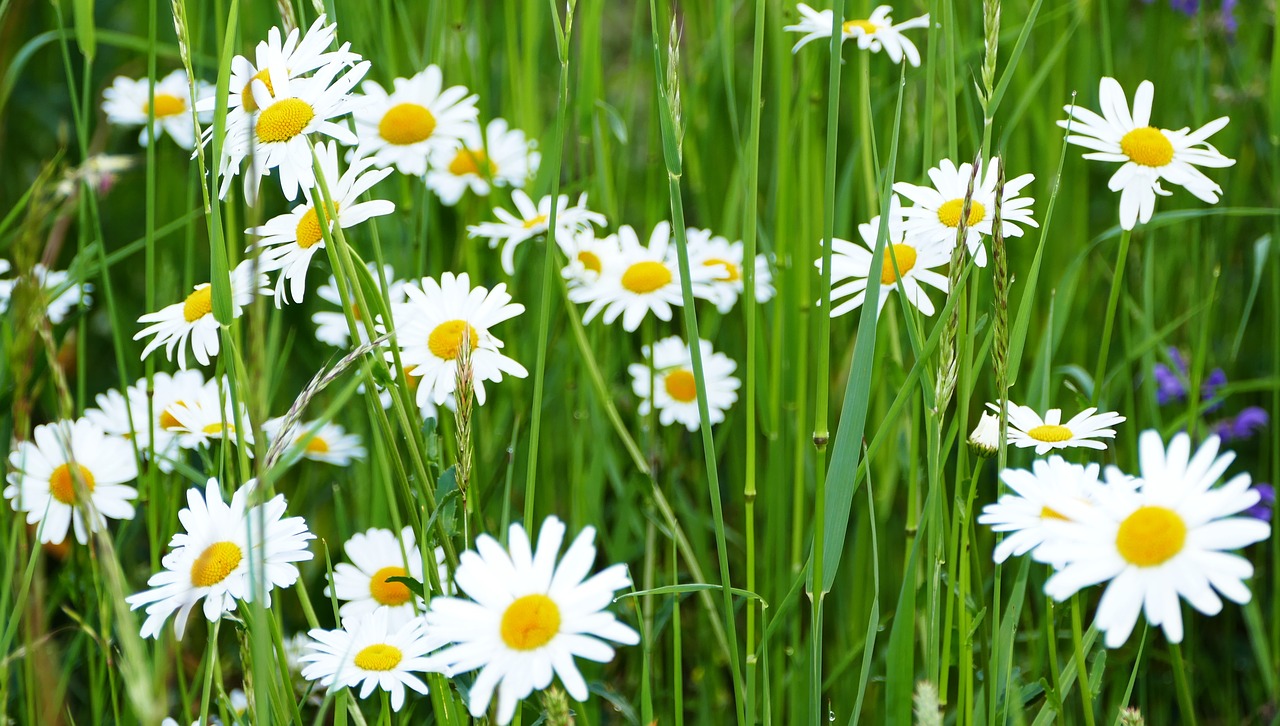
(406,123)
(866,25)
(389,593)
(645,277)
(379,657)
(1150,536)
(735,274)
(168,421)
(906,258)
(246,93)
(1147,146)
(219,429)
(284,120)
(531,223)
(1050,433)
(681,385)
(1050,513)
(412,379)
(446,340)
(317,445)
(949,212)
(530,622)
(198,304)
(167,104)
(62,484)
(308,230)
(591,261)
(469,161)
(215,564)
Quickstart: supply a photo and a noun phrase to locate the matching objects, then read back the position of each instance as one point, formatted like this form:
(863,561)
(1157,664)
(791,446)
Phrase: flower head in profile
(289,241)
(1024,511)
(674,390)
(873,34)
(908,262)
(1028,430)
(192,322)
(528,617)
(511,231)
(402,127)
(210,416)
(434,322)
(71,475)
(322,441)
(640,279)
(935,211)
(210,560)
(1167,535)
(144,413)
(128,103)
(503,158)
(1147,154)
(586,253)
(726,258)
(372,653)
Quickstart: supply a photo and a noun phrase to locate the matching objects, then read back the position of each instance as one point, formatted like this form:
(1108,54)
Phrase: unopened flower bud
(985,439)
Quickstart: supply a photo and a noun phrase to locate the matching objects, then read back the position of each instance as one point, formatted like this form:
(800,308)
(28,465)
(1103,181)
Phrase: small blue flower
(1266,503)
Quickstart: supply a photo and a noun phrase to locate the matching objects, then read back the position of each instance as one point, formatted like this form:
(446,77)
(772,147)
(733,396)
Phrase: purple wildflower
(1266,502)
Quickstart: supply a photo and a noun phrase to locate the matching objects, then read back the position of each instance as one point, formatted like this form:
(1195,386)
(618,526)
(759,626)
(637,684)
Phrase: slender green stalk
(1108,322)
(1086,690)
(1186,707)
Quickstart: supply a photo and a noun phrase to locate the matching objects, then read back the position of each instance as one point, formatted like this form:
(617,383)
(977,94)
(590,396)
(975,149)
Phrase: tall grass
(815,557)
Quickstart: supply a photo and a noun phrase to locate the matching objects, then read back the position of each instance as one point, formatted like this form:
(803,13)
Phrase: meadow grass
(813,558)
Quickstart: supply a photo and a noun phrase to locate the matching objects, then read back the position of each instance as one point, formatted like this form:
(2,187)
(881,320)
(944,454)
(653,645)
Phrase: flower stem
(1086,690)
(1108,322)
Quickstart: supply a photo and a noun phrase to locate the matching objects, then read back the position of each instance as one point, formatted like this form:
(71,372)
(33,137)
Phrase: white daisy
(127,103)
(1025,511)
(985,439)
(528,616)
(725,257)
(290,240)
(376,555)
(331,326)
(640,279)
(1027,429)
(874,33)
(1164,537)
(907,262)
(146,415)
(430,327)
(328,442)
(371,653)
(427,408)
(1148,154)
(60,294)
(192,319)
(403,127)
(676,389)
(935,210)
(210,416)
(511,230)
(587,253)
(276,136)
(502,158)
(211,560)
(6,286)
(45,475)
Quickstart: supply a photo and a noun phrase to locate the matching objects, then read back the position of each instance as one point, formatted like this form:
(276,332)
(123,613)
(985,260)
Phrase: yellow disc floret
(1050,433)
(1151,536)
(215,564)
(1147,146)
(530,622)
(906,258)
(406,123)
(62,484)
(246,93)
(284,120)
(379,657)
(446,340)
(167,104)
(198,304)
(647,276)
(681,385)
(949,212)
(389,593)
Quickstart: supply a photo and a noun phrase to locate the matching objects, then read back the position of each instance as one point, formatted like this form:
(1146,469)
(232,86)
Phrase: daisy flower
(331,326)
(1025,511)
(46,474)
(192,319)
(935,211)
(210,561)
(675,392)
(376,555)
(128,103)
(1148,154)
(586,253)
(511,231)
(419,115)
(329,443)
(640,279)
(290,240)
(6,286)
(502,158)
(210,416)
(529,616)
(985,439)
(1027,429)
(725,257)
(874,33)
(144,413)
(291,110)
(914,258)
(1166,536)
(430,327)
(60,294)
(371,653)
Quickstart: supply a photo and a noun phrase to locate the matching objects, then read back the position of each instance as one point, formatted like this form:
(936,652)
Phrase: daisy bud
(985,439)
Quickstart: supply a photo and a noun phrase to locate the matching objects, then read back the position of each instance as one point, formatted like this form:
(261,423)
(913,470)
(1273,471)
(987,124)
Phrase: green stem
(1108,322)
(1086,690)
(1185,704)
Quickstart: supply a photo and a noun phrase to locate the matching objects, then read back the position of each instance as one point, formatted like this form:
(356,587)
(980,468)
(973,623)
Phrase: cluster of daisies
(1166,533)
